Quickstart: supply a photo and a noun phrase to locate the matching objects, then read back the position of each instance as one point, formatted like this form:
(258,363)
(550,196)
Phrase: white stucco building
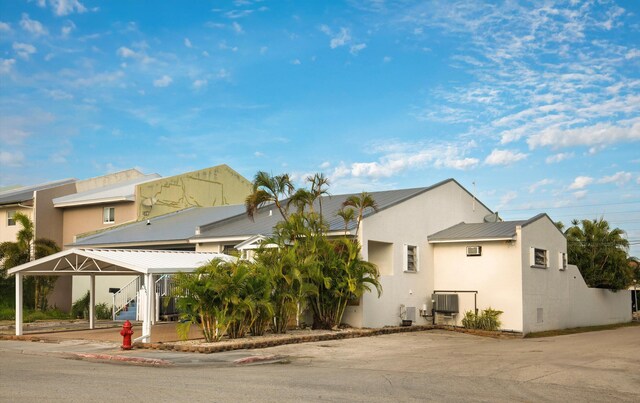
(520,268)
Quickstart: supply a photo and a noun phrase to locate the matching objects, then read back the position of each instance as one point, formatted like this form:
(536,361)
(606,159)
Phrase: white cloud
(507,198)
(633,53)
(59,95)
(386,59)
(544,182)
(558,157)
(581,182)
(504,157)
(296,61)
(10,135)
(66,30)
(24,50)
(6,65)
(258,154)
(223,74)
(11,159)
(187,43)
(619,178)
(163,81)
(580,194)
(125,52)
(32,26)
(263,50)
(355,49)
(5,27)
(237,28)
(340,39)
(198,84)
(66,7)
(325,165)
(599,134)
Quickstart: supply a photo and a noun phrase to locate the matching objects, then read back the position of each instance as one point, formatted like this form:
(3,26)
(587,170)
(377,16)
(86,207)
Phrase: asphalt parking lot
(430,365)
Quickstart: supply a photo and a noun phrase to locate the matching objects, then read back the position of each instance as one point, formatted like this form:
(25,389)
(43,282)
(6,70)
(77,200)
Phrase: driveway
(430,365)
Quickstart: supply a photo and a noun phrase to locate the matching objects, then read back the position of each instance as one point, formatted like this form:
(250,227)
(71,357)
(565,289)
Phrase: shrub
(103,311)
(487,320)
(80,308)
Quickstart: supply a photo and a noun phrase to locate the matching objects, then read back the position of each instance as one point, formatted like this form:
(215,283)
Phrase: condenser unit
(445,303)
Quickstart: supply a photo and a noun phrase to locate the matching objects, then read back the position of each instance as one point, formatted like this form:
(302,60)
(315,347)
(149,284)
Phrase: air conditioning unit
(474,250)
(445,303)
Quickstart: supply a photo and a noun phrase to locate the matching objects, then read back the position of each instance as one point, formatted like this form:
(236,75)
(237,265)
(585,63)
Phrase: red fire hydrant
(126,333)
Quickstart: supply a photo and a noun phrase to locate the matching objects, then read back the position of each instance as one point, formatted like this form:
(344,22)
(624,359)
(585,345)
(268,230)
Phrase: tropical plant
(361,203)
(600,253)
(269,189)
(16,253)
(489,319)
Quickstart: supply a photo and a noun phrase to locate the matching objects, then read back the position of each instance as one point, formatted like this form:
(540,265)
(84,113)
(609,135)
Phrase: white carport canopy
(92,262)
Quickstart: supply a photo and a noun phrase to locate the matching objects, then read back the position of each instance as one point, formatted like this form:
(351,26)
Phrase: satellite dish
(492,217)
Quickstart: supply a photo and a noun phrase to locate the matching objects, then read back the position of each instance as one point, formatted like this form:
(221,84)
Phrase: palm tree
(600,253)
(23,251)
(347,214)
(319,188)
(360,203)
(269,189)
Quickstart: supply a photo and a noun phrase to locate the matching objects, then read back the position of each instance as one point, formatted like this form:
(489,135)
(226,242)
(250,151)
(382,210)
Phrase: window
(410,258)
(539,258)
(11,221)
(562,261)
(228,249)
(474,250)
(109,215)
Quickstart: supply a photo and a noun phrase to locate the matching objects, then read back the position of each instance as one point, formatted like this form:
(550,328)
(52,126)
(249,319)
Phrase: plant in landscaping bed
(487,320)
(80,308)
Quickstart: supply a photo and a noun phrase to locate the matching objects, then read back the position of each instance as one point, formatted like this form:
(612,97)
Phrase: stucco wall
(48,219)
(80,219)
(8,233)
(562,295)
(410,222)
(216,186)
(496,275)
(103,283)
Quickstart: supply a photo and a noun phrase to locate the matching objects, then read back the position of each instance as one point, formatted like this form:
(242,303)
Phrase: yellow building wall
(8,233)
(215,186)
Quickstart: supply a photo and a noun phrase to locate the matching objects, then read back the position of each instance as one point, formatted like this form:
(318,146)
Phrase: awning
(100,262)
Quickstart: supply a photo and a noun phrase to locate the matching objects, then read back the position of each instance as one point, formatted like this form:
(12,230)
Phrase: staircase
(128,312)
(125,301)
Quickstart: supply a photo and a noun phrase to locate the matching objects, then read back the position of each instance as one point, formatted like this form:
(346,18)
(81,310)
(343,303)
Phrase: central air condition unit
(445,303)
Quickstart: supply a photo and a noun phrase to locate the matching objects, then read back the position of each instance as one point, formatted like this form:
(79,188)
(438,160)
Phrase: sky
(534,106)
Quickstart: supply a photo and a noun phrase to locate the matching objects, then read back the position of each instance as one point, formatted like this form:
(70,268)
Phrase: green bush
(487,320)
(30,315)
(103,311)
(80,308)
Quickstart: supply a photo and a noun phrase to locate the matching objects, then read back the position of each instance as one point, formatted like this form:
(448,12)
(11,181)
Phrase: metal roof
(268,216)
(25,193)
(178,226)
(80,261)
(121,191)
(480,231)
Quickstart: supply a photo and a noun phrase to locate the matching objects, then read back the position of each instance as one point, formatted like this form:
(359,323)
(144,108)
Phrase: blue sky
(537,103)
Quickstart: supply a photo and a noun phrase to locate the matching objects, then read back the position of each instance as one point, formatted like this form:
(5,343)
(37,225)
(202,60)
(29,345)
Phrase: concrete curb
(155,362)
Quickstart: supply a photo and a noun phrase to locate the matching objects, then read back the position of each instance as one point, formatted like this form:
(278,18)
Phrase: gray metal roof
(178,226)
(124,190)
(25,193)
(480,231)
(268,216)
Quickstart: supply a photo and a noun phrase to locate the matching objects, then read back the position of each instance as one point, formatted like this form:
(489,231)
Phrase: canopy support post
(92,301)
(19,304)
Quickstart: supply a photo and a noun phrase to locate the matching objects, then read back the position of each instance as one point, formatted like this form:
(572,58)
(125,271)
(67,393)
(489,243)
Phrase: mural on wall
(215,186)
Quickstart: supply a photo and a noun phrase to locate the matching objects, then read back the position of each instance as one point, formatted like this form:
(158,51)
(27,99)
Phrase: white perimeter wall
(410,222)
(496,275)
(562,295)
(103,283)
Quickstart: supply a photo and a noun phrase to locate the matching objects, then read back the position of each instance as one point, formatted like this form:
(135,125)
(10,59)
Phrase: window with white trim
(109,215)
(562,260)
(410,258)
(539,258)
(11,221)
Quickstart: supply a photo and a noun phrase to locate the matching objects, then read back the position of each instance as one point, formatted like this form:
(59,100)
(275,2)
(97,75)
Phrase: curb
(155,362)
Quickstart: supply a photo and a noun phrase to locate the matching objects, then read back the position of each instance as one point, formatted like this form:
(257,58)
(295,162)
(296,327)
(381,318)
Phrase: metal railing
(123,297)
